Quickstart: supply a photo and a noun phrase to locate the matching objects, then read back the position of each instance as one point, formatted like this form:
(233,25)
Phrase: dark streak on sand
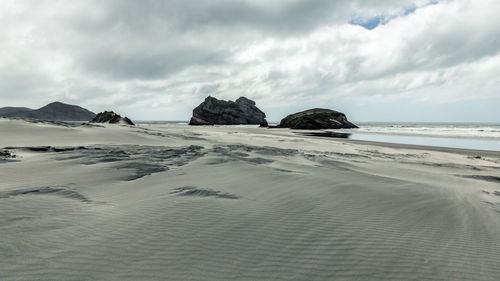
(59,123)
(287,171)
(240,152)
(144,160)
(325,161)
(324,134)
(264,150)
(482,177)
(57,191)
(232,154)
(201,192)
(489,203)
(185,136)
(446,165)
(48,148)
(142,169)
(378,154)
(342,155)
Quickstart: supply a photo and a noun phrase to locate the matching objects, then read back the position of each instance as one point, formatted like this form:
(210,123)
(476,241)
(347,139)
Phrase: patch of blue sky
(372,22)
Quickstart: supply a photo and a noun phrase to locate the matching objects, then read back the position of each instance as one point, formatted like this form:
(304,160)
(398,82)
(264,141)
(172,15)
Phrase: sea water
(484,136)
(454,130)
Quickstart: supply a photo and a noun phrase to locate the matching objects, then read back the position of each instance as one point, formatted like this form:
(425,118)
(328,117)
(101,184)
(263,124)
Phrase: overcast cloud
(159,59)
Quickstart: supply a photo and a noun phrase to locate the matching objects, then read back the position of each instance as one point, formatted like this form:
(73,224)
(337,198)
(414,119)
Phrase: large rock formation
(219,112)
(56,111)
(315,119)
(112,118)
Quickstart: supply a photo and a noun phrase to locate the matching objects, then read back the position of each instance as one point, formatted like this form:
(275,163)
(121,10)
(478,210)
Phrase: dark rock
(56,111)
(128,121)
(219,112)
(6,154)
(315,119)
(112,118)
(264,124)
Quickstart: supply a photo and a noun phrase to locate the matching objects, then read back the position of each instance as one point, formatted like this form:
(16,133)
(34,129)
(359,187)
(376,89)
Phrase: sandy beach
(114,202)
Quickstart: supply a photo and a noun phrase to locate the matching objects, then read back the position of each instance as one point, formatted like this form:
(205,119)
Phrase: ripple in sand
(57,191)
(201,192)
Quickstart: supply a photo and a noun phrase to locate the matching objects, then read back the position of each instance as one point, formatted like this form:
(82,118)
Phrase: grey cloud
(294,17)
(156,39)
(144,65)
(208,89)
(290,17)
(153,39)
(23,84)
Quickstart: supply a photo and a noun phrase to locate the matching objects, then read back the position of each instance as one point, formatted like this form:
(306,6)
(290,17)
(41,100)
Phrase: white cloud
(441,45)
(138,55)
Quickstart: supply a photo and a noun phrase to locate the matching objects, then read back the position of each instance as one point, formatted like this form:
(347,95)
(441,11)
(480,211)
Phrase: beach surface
(113,202)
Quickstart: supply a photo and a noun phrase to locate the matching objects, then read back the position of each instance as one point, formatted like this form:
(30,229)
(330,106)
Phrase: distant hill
(8,110)
(56,111)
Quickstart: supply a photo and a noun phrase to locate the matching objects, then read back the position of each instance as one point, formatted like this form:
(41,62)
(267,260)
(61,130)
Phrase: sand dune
(117,202)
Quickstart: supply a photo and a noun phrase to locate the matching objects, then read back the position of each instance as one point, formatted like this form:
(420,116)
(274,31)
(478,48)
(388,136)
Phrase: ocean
(482,136)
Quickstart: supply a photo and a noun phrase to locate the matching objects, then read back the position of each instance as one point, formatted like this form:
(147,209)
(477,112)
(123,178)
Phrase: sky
(383,60)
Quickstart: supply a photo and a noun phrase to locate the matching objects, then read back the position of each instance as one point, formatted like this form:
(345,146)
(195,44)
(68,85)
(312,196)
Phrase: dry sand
(226,203)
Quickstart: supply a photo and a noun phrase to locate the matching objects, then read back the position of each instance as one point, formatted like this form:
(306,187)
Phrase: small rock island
(112,118)
(315,119)
(220,112)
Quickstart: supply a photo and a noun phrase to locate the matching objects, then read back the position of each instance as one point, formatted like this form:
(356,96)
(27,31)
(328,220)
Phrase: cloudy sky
(383,60)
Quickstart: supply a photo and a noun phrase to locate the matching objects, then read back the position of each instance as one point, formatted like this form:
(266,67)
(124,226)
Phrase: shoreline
(464,151)
(460,141)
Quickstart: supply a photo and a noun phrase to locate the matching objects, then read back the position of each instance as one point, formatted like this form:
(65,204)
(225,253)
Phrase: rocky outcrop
(264,124)
(56,111)
(219,112)
(112,118)
(315,119)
